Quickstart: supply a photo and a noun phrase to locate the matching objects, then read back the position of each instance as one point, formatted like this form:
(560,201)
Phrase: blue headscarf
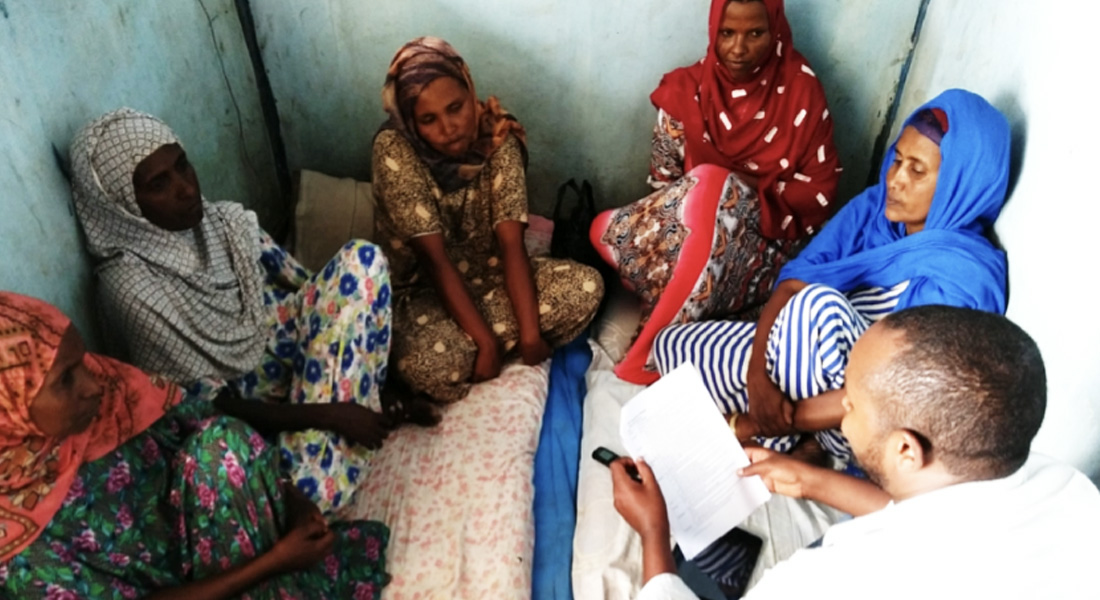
(950,261)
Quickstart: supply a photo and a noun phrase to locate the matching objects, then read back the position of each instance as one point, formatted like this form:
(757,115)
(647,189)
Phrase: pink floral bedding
(458,498)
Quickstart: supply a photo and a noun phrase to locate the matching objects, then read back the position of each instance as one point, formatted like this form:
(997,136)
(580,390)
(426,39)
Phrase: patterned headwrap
(775,126)
(37,471)
(417,64)
(189,304)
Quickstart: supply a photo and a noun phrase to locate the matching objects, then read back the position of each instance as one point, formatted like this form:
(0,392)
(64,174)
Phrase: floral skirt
(190,497)
(329,341)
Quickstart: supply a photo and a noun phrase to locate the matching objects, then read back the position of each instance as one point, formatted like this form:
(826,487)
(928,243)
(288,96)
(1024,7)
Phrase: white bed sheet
(607,553)
(458,498)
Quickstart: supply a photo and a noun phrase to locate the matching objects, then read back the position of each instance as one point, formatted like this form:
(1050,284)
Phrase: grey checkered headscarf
(186,304)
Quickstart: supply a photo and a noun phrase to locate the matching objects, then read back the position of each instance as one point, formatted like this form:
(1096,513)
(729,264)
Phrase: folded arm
(769,409)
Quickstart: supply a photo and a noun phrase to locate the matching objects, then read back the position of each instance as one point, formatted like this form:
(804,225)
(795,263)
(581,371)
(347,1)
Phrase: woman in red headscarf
(115,484)
(754,106)
(743,148)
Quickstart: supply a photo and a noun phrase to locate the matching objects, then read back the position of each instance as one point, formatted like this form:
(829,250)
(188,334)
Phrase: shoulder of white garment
(666,586)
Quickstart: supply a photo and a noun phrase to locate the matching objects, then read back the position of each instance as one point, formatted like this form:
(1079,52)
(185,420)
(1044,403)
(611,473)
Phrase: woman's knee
(810,304)
(666,351)
(818,293)
(362,256)
(568,289)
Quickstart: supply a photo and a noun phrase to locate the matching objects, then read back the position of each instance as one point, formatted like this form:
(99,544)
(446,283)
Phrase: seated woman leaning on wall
(915,238)
(114,484)
(743,156)
(197,291)
(451,212)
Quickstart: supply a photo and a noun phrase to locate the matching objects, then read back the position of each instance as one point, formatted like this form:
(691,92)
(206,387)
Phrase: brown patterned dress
(430,350)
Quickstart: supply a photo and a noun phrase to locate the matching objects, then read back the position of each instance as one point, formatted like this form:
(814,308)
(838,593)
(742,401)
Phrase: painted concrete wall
(64,62)
(577,73)
(1036,71)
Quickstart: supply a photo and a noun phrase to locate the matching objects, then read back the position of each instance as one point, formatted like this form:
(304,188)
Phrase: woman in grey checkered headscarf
(198,292)
(188,304)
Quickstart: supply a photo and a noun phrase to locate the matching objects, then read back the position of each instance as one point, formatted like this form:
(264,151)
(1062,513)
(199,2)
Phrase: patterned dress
(431,351)
(752,261)
(807,354)
(188,498)
(328,341)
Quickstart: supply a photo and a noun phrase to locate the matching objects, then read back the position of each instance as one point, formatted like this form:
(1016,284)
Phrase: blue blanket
(557,463)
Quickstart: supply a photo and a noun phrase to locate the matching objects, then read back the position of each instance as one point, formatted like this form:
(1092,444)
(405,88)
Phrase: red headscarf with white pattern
(36,471)
(776,126)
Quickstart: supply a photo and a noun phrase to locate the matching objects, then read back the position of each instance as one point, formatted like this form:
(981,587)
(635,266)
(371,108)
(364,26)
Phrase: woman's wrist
(529,335)
(742,426)
(757,373)
(270,563)
(486,340)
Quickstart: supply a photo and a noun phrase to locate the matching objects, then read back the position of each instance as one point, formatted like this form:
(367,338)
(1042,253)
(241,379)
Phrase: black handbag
(573,215)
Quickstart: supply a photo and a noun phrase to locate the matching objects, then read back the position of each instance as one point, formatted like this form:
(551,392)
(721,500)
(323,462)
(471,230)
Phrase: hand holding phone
(606,457)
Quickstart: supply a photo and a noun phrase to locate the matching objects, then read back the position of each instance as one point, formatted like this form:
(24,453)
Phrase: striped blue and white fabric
(807,352)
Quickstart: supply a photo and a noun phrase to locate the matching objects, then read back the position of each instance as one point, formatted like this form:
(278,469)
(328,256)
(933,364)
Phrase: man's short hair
(970,384)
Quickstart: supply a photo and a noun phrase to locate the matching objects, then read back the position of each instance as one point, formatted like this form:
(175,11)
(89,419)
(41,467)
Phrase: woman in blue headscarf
(917,237)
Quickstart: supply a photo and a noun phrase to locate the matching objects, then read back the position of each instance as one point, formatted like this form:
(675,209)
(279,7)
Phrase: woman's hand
(303,546)
(308,538)
(359,424)
(534,351)
(772,412)
(487,365)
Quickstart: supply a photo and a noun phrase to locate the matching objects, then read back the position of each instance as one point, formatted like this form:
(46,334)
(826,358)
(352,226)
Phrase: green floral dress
(188,498)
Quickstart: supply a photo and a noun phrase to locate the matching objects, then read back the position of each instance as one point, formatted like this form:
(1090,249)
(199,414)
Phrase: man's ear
(908,450)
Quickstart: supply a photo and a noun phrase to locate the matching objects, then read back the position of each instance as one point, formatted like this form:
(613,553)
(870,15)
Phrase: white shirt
(1033,534)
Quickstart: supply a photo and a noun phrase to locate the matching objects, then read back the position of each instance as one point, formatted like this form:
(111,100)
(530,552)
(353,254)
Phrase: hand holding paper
(680,432)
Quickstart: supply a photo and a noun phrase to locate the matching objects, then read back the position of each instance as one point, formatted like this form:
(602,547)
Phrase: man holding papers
(941,406)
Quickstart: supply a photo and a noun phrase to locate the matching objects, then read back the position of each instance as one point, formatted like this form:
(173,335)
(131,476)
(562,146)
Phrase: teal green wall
(63,62)
(577,73)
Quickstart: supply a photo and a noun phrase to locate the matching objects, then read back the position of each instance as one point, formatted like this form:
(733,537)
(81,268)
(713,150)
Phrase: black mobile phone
(606,457)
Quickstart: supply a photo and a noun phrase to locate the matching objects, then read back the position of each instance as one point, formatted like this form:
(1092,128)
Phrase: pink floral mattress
(458,497)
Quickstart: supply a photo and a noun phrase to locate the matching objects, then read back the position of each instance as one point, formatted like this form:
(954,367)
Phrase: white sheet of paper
(679,431)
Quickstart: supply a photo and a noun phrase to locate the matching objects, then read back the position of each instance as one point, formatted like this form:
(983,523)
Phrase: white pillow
(618,324)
